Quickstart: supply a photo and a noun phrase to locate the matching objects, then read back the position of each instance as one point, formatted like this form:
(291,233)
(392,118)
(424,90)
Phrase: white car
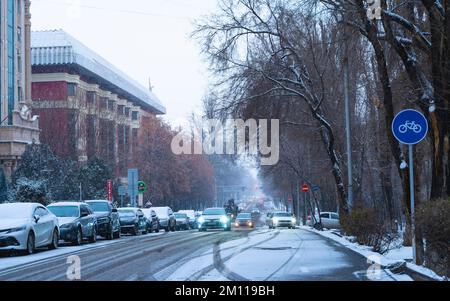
(27,226)
(330,220)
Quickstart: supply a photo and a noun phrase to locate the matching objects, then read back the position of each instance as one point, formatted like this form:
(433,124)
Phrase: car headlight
(276,220)
(103,220)
(201,220)
(294,220)
(8,231)
(67,226)
(224,220)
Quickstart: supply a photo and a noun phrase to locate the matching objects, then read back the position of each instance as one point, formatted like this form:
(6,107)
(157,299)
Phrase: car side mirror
(115,210)
(36,218)
(84,214)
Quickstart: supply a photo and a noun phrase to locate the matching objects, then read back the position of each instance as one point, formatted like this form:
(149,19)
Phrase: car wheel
(93,238)
(134,232)
(55,240)
(79,239)
(157,229)
(118,234)
(31,244)
(110,235)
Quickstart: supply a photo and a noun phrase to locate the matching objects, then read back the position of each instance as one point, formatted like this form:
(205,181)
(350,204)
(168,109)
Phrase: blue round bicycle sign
(410,127)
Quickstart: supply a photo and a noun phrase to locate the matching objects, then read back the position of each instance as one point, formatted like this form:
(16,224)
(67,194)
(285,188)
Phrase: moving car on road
(244,220)
(182,221)
(282,219)
(132,221)
(167,220)
(214,218)
(27,226)
(108,223)
(152,220)
(77,222)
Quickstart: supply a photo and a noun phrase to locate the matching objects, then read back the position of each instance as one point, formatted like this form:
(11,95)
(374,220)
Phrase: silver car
(27,226)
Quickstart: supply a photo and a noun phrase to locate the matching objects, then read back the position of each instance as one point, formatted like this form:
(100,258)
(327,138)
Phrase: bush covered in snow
(369,229)
(43,177)
(433,219)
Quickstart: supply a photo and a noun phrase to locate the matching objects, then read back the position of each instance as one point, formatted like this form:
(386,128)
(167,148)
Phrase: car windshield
(180,215)
(282,214)
(99,206)
(244,215)
(15,211)
(126,213)
(65,211)
(217,211)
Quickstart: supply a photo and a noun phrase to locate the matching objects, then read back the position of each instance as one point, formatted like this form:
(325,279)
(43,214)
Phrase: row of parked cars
(28,226)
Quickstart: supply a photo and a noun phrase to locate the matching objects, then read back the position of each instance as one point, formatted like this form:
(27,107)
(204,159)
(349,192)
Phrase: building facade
(18,127)
(87,108)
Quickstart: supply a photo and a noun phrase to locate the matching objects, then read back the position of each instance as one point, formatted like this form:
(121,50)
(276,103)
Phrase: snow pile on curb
(393,259)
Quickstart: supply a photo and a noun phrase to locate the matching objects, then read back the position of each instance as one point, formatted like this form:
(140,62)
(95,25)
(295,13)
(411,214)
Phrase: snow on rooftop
(57,47)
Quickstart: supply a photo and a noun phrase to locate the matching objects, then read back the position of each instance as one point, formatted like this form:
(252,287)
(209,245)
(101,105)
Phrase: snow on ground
(394,257)
(287,257)
(64,249)
(278,255)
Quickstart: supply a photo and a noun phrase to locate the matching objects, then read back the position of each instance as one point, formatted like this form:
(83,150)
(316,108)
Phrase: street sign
(109,190)
(410,127)
(122,190)
(142,187)
(133,178)
(305,188)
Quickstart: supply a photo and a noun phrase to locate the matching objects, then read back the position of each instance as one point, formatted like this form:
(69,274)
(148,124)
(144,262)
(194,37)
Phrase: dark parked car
(132,221)
(182,221)
(152,220)
(77,222)
(167,220)
(108,223)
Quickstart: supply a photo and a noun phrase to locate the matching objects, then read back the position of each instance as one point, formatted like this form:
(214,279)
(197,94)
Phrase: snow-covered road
(260,255)
(280,255)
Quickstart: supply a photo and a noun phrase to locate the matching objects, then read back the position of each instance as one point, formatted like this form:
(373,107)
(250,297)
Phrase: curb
(402,266)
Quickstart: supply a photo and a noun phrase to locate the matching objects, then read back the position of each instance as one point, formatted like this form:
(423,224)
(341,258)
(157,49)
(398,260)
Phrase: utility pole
(348,126)
(81,193)
(298,204)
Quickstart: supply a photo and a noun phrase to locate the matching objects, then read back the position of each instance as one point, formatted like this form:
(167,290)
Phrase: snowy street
(257,255)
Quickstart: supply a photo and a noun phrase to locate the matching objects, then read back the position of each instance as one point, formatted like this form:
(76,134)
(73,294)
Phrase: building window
(120,110)
(104,103)
(19,33)
(135,115)
(71,89)
(127,112)
(10,56)
(91,97)
(111,105)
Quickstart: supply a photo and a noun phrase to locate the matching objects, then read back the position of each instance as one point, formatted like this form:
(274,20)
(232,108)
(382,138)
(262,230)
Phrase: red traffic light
(305,188)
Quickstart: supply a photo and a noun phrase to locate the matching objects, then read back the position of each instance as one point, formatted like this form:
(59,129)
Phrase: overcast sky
(144,38)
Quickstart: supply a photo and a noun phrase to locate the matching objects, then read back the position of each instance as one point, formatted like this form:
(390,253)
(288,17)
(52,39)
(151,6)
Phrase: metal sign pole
(411,186)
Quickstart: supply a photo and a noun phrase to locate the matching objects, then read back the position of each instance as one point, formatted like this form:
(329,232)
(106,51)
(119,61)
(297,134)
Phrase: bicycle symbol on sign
(410,126)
